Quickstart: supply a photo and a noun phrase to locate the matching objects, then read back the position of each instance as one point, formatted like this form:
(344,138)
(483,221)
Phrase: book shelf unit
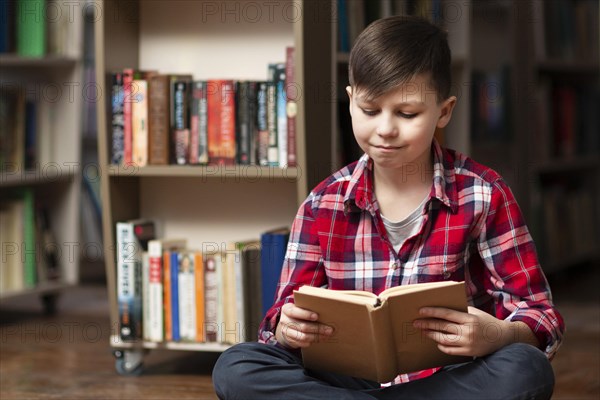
(211,204)
(484,37)
(51,82)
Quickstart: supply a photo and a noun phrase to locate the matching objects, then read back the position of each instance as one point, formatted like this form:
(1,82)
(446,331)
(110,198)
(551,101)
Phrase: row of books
(490,105)
(355,15)
(38,28)
(160,119)
(169,292)
(25,130)
(568,121)
(566,216)
(29,252)
(566,30)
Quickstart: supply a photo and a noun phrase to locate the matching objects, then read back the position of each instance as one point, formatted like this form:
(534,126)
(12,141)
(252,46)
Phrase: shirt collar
(359,194)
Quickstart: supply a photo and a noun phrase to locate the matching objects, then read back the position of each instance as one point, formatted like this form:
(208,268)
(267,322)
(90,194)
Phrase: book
(187,295)
(31,28)
(291,95)
(139,122)
(374,337)
(132,240)
(155,299)
(158,119)
(273,247)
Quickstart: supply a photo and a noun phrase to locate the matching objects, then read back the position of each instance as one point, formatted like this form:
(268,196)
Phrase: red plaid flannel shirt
(472,231)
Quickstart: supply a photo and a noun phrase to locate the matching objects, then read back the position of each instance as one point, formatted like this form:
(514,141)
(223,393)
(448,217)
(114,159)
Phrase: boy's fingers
(296,312)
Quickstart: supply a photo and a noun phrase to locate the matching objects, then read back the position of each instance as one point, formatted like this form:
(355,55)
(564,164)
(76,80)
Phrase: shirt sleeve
(515,279)
(303,265)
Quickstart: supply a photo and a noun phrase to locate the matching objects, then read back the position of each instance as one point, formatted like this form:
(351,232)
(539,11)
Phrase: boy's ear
(446,111)
(349,92)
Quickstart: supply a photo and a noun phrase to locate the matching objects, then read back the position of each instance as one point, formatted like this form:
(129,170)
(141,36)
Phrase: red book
(128,98)
(221,122)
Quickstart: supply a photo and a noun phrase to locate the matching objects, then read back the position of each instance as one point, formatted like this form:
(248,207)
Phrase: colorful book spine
(273,150)
(200,295)
(31,28)
(187,296)
(174,272)
(211,297)
(127,115)
(243,123)
(117,119)
(181,114)
(139,122)
(198,125)
(273,248)
(282,135)
(262,126)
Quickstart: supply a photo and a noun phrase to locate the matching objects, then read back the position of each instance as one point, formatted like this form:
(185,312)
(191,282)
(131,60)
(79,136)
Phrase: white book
(187,296)
(155,285)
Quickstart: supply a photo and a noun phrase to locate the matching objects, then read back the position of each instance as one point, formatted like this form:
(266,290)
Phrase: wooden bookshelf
(206,203)
(52,83)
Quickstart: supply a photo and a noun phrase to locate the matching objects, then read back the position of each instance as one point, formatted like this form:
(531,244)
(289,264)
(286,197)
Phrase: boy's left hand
(474,334)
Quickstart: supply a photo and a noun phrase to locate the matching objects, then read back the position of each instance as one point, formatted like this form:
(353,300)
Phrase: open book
(374,337)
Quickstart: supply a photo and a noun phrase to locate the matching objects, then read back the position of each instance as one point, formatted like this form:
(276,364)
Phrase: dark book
(262,127)
(158,120)
(273,247)
(117,119)
(198,124)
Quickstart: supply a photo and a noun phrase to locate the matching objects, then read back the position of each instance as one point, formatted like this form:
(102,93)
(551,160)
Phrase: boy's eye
(407,116)
(370,113)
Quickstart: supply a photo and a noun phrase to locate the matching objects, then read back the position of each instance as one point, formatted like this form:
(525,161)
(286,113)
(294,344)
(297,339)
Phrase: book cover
(243,118)
(132,240)
(378,329)
(273,247)
(250,288)
(155,301)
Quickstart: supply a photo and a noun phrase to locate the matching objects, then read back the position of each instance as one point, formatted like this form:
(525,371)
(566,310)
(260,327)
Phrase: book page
(350,296)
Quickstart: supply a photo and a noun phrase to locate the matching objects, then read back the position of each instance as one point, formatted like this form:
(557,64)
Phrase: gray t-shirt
(398,232)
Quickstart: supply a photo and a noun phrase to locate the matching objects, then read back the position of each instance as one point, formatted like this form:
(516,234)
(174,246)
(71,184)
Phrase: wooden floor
(67,356)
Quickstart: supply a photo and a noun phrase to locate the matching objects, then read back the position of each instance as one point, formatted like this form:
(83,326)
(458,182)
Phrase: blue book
(344,37)
(272,253)
(175,295)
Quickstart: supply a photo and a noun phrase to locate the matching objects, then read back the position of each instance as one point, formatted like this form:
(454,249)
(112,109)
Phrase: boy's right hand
(298,328)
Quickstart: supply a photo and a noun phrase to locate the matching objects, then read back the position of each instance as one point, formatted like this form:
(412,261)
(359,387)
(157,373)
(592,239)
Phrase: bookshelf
(44,93)
(209,204)
(508,57)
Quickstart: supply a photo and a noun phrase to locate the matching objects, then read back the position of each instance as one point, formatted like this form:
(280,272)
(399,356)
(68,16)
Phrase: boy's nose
(386,128)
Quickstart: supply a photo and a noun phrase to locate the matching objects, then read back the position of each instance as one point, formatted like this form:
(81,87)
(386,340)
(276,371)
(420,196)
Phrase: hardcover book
(374,337)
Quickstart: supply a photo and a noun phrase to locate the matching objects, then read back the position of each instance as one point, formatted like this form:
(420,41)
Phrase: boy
(408,211)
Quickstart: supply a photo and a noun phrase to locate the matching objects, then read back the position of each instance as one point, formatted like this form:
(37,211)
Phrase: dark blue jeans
(258,371)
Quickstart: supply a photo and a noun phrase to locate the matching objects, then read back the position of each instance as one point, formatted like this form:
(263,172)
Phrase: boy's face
(397,128)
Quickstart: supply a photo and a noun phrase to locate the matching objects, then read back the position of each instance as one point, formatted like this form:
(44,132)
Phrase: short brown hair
(391,51)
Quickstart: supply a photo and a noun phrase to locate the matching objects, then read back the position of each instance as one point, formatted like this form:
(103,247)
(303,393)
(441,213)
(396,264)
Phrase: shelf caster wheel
(129,362)
(49,302)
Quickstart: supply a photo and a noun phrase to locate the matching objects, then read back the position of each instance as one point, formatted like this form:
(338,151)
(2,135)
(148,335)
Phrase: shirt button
(394,265)
(446,275)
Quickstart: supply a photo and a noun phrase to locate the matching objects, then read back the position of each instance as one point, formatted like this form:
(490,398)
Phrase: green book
(29,251)
(31,28)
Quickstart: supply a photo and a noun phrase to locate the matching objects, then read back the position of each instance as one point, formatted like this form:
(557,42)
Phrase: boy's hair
(393,50)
